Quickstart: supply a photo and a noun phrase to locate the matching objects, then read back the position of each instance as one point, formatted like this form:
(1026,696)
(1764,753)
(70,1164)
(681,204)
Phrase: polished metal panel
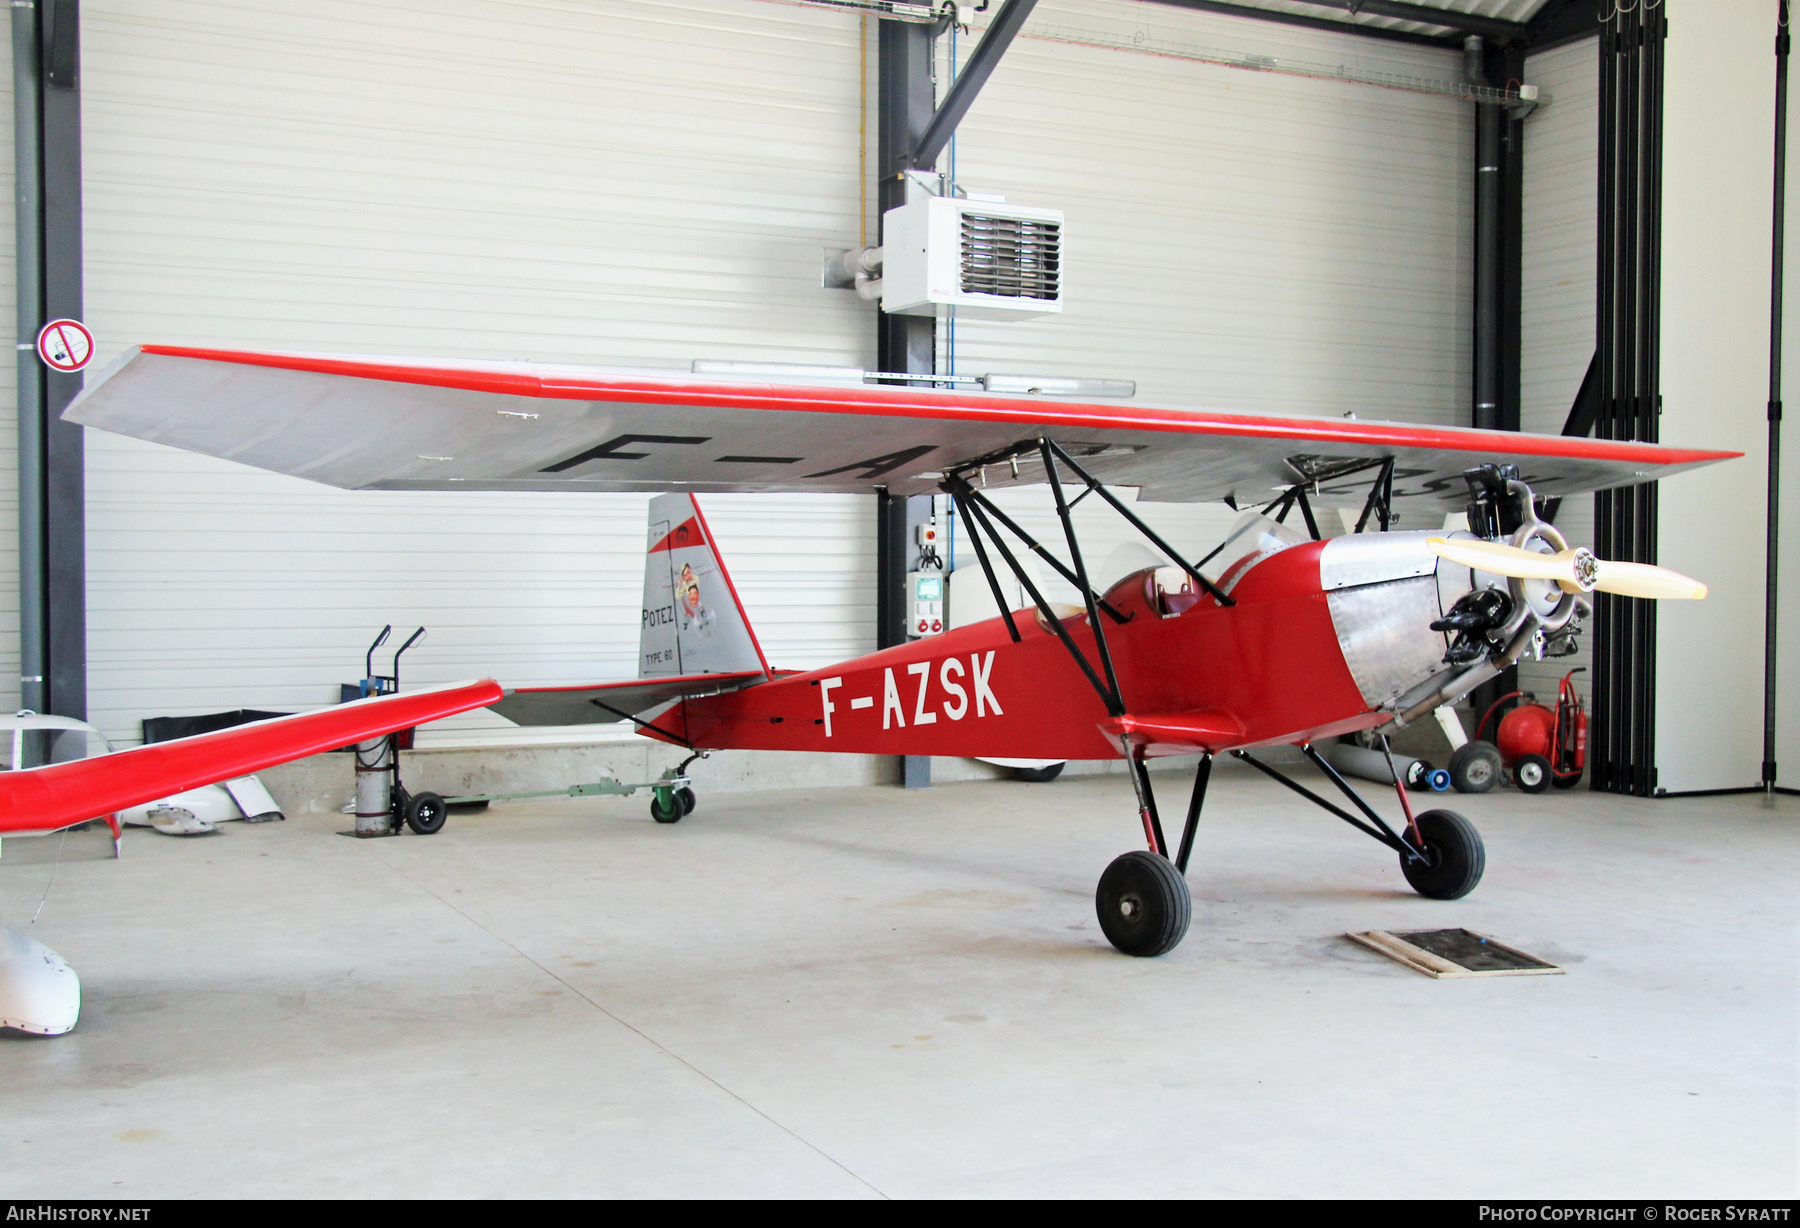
(1385,633)
(1369,558)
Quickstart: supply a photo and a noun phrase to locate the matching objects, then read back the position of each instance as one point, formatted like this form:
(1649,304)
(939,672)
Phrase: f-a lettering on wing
(403,424)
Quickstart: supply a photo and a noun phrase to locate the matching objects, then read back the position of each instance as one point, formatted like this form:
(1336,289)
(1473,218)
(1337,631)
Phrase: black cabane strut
(980,514)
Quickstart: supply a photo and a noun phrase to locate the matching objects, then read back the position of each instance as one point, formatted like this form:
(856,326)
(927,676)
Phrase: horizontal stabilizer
(608,702)
(46,798)
(1177,734)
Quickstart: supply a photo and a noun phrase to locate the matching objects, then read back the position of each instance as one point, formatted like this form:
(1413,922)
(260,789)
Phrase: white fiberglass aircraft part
(31,740)
(39,992)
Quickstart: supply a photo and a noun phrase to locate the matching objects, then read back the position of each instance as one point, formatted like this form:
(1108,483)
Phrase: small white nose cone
(38,992)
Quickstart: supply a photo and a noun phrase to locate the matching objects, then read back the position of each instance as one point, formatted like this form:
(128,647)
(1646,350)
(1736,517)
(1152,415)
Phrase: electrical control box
(927,600)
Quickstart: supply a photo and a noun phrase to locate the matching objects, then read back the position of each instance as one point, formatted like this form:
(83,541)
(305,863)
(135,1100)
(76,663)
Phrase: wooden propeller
(1575,571)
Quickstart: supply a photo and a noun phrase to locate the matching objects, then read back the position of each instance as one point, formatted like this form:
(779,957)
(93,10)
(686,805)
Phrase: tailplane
(693,622)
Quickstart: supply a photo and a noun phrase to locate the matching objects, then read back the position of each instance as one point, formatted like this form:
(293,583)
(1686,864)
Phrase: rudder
(693,622)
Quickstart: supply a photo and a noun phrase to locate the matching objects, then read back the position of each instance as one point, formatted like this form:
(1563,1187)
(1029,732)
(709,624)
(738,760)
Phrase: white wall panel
(9,434)
(1557,287)
(649,183)
(1787,655)
(1235,240)
(1719,120)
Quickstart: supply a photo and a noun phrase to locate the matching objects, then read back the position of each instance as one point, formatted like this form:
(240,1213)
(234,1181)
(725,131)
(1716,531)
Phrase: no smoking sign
(65,345)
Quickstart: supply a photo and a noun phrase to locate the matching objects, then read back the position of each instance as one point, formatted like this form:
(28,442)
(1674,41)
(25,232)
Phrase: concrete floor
(869,992)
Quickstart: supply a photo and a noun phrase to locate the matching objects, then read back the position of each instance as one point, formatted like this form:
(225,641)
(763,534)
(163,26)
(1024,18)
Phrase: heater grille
(1011,257)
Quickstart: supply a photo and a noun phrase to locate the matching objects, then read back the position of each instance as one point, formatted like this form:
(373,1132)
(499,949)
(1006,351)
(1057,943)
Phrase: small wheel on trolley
(1454,857)
(425,813)
(665,806)
(1532,773)
(688,801)
(1475,767)
(1143,904)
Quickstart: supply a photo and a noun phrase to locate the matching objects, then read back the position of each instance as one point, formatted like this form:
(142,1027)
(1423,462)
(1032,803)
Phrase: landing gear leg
(1441,853)
(1143,901)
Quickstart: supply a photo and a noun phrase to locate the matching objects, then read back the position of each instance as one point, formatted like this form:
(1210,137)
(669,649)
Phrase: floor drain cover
(1453,953)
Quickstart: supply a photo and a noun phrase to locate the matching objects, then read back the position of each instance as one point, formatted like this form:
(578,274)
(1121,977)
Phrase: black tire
(687,799)
(1476,767)
(1532,773)
(1143,904)
(1039,775)
(1566,782)
(425,813)
(1454,857)
(665,807)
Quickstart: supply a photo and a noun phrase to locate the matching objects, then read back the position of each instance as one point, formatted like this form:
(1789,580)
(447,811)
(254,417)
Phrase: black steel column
(1498,275)
(906,102)
(52,495)
(1628,326)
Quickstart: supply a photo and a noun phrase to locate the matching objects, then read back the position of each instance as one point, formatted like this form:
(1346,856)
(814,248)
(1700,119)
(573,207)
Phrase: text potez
(950,675)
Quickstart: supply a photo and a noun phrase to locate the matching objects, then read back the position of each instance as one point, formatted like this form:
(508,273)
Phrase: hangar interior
(880,975)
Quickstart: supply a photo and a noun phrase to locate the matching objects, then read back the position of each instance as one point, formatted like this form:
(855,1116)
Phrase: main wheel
(1475,767)
(426,812)
(687,799)
(1532,773)
(1143,903)
(665,807)
(1454,857)
(1566,782)
(1039,775)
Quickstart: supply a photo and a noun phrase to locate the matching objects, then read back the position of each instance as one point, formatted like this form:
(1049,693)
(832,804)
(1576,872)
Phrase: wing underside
(393,424)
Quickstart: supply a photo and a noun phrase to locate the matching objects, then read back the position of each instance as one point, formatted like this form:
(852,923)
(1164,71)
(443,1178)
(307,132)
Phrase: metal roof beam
(1466,23)
(1333,24)
(1463,23)
(1564,21)
(974,75)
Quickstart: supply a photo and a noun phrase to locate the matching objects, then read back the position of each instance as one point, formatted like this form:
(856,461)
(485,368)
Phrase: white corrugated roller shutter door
(605,182)
(652,183)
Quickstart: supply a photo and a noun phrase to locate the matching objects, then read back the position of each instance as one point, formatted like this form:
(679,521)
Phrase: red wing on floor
(46,798)
(608,702)
(402,424)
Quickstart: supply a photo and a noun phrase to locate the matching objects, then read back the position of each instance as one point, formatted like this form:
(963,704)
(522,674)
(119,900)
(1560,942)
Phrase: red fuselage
(1269,669)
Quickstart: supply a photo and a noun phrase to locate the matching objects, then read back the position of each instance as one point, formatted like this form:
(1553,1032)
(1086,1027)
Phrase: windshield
(1252,539)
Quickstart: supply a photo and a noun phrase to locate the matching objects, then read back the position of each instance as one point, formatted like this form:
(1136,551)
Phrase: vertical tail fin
(693,620)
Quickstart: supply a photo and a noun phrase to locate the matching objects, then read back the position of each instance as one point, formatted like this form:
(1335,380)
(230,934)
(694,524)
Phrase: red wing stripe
(40,799)
(967,407)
